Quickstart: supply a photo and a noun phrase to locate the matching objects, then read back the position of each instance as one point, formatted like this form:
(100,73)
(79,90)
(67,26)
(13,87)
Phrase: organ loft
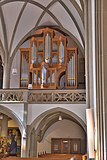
(48,63)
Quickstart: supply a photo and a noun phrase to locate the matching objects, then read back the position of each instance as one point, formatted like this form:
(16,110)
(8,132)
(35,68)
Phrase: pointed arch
(42,119)
(11,114)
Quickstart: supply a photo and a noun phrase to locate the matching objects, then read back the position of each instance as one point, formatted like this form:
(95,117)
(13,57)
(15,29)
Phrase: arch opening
(51,128)
(11,130)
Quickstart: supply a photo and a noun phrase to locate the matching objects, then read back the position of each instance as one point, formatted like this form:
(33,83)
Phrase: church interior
(53,60)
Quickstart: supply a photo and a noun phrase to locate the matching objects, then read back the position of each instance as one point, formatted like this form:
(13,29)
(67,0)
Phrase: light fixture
(29,86)
(14,66)
(14,71)
(1,116)
(60,117)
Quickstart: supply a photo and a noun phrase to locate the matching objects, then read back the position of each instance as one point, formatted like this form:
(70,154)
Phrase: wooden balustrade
(43,96)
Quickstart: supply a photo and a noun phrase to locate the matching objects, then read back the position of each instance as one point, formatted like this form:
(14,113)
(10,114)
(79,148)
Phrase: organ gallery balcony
(43,96)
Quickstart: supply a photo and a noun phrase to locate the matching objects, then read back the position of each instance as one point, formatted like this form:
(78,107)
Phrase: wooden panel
(66,146)
(75,146)
(56,146)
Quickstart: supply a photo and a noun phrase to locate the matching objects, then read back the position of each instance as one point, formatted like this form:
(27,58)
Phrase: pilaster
(33,144)
(101,81)
(6,75)
(4,126)
(24,135)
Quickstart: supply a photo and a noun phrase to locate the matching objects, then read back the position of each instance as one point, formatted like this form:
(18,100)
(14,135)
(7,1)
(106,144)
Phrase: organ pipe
(39,81)
(72,77)
(33,53)
(47,48)
(71,71)
(24,68)
(35,77)
(61,52)
(43,75)
(53,76)
(24,71)
(74,70)
(48,79)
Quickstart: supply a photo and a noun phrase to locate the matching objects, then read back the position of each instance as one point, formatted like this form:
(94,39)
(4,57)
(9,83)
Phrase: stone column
(33,144)
(96,47)
(88,53)
(6,75)
(24,135)
(4,126)
(101,81)
(89,57)
(24,145)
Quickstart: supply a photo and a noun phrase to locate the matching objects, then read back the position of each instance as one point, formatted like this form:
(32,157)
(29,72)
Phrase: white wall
(15,79)
(62,129)
(35,110)
(16,109)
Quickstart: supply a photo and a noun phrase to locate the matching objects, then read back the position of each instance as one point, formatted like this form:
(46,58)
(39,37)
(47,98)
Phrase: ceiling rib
(74,20)
(32,31)
(4,33)
(16,25)
(80,12)
(72,37)
(43,13)
(2,52)
(82,4)
(45,10)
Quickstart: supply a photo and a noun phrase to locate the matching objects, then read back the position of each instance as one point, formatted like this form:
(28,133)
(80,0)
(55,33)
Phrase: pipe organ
(24,69)
(47,60)
(33,55)
(71,67)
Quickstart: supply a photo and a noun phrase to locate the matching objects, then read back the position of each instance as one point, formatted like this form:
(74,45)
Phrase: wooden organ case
(48,63)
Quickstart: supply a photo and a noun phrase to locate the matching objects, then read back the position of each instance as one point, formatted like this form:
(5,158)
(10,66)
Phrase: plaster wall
(14,79)
(35,110)
(16,109)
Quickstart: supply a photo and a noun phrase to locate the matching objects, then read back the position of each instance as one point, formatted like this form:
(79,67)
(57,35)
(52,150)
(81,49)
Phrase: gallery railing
(43,96)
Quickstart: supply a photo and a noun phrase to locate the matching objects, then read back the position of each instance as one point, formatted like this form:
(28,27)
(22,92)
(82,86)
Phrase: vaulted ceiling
(20,18)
